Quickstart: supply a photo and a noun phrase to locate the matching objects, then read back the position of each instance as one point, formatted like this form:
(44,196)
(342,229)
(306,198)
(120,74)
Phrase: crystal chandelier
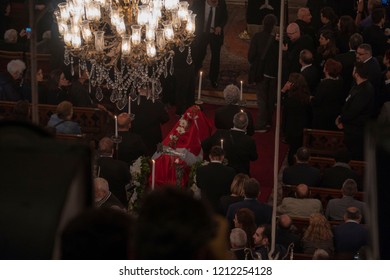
(125,44)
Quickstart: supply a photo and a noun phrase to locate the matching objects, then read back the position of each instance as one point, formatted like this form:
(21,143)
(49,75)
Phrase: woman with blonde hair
(236,193)
(318,235)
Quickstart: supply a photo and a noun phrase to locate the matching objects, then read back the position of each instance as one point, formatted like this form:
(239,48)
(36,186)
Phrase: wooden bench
(323,194)
(93,122)
(6,56)
(301,224)
(323,142)
(323,163)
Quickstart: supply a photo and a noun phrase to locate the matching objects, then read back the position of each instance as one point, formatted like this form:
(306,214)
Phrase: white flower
(173,137)
(180,129)
(183,123)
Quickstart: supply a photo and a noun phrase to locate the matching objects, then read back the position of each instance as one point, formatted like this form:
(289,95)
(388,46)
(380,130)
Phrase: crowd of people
(336,77)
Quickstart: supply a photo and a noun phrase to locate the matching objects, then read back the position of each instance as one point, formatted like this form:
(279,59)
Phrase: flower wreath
(140,171)
(183,126)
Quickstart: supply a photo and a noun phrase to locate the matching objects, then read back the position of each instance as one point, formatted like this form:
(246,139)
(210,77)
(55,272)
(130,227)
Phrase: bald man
(284,234)
(132,146)
(300,206)
(297,42)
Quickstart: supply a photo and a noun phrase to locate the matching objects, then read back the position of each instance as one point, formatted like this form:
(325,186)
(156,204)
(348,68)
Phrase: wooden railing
(323,142)
(93,122)
(323,194)
(323,163)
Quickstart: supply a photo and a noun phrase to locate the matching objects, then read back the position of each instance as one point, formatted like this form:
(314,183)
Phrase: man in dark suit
(104,198)
(357,110)
(223,117)
(375,35)
(240,148)
(149,115)
(348,60)
(131,147)
(304,20)
(309,71)
(210,20)
(116,172)
(214,179)
(263,212)
(364,55)
(301,172)
(297,43)
(335,176)
(350,236)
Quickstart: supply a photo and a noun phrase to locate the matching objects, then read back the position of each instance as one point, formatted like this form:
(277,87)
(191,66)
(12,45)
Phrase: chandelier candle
(200,84)
(116,126)
(221,143)
(241,91)
(153,172)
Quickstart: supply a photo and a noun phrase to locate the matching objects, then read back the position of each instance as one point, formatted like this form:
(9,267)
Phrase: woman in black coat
(296,112)
(329,97)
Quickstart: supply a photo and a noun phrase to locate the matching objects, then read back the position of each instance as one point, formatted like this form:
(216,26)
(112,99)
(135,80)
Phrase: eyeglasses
(291,33)
(360,53)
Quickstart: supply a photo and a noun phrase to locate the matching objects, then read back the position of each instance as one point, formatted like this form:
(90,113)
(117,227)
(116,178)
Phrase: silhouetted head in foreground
(172,225)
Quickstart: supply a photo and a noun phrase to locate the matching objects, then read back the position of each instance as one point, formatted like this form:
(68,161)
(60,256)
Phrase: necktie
(208,24)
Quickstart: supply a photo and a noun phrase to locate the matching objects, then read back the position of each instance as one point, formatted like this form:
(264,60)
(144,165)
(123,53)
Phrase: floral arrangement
(192,184)
(140,171)
(182,126)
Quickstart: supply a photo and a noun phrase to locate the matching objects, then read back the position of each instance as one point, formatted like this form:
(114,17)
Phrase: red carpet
(261,169)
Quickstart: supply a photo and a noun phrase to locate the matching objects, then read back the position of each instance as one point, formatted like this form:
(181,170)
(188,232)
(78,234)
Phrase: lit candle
(153,172)
(241,91)
(116,126)
(129,106)
(221,143)
(200,84)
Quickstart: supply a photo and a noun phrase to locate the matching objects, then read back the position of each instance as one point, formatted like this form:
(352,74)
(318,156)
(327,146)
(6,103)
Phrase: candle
(200,84)
(129,106)
(153,172)
(241,91)
(116,126)
(221,143)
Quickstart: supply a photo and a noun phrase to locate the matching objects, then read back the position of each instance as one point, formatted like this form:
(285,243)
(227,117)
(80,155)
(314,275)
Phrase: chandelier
(124,45)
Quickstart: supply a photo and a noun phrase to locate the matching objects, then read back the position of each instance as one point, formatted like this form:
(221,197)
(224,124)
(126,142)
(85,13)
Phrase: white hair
(238,238)
(11,36)
(231,94)
(16,66)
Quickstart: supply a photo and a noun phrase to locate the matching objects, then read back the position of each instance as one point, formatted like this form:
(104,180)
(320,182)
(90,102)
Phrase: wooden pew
(93,122)
(6,56)
(323,142)
(301,224)
(323,194)
(323,163)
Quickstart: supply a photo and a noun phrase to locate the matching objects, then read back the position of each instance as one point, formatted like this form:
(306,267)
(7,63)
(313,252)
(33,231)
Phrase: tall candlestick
(200,84)
(241,91)
(116,126)
(221,143)
(129,106)
(153,172)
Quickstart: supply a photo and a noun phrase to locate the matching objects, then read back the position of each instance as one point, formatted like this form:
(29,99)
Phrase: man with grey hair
(224,115)
(103,196)
(238,241)
(10,89)
(240,149)
(336,207)
(116,172)
(348,60)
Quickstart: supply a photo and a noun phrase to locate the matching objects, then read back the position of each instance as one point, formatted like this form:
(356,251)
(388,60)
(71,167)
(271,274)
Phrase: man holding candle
(116,172)
(210,21)
(214,179)
(224,115)
(131,147)
(240,148)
